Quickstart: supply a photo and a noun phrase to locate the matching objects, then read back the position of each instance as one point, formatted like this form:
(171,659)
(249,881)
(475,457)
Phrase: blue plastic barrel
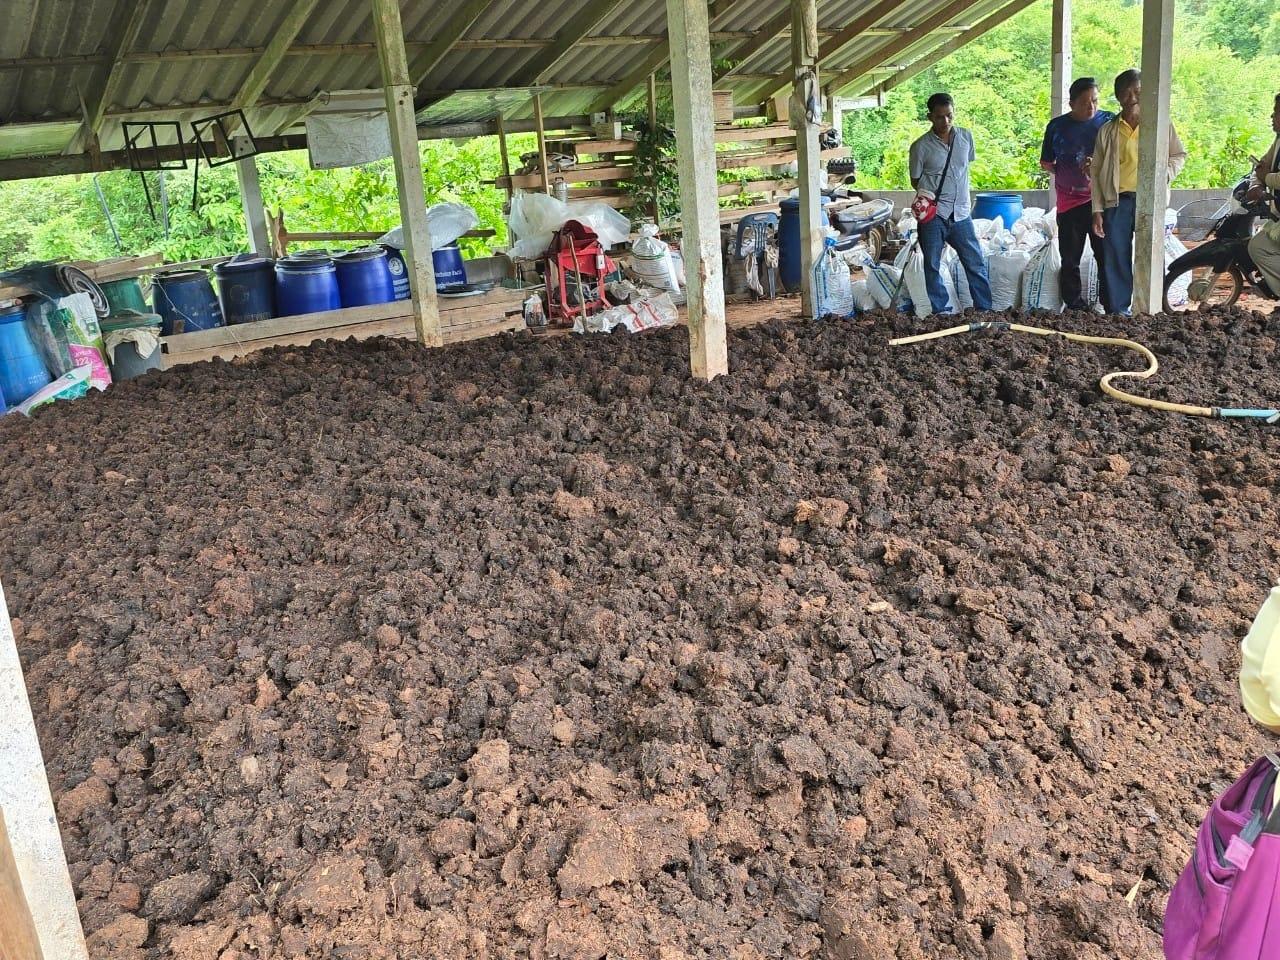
(364,278)
(246,289)
(306,284)
(1006,206)
(399,271)
(186,302)
(450,273)
(789,241)
(22,372)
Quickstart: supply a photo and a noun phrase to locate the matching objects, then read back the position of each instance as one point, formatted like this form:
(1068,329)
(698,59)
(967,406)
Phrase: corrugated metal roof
(191,57)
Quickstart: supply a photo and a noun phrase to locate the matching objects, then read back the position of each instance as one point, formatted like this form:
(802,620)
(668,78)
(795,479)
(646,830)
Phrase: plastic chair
(753,240)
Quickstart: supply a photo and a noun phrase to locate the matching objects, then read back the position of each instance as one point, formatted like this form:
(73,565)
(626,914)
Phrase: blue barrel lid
(310,255)
(180,276)
(250,264)
(360,255)
(996,195)
(293,264)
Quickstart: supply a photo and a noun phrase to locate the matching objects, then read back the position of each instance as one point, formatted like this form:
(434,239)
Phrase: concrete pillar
(689,30)
(1153,156)
(255,213)
(1061,53)
(408,163)
(804,67)
(29,817)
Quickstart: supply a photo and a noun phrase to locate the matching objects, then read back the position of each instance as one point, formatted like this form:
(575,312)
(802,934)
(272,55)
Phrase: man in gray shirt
(940,169)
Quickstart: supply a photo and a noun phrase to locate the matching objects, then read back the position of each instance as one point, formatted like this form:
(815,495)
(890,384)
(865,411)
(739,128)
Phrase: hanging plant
(655,183)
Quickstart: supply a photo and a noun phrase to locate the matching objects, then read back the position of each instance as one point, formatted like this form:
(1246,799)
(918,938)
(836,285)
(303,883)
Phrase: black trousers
(1074,227)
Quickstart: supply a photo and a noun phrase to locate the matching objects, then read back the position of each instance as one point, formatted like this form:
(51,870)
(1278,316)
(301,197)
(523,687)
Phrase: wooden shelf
(462,318)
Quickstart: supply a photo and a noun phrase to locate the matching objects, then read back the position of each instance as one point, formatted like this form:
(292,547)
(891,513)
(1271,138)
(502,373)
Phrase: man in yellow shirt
(1114,169)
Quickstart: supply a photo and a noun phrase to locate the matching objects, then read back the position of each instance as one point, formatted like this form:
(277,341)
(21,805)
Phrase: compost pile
(541,649)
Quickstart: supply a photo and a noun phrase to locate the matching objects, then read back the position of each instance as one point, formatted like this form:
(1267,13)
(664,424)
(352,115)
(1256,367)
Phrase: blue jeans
(958,233)
(1117,255)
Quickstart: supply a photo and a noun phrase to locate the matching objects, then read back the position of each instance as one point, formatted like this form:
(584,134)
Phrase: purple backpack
(1226,904)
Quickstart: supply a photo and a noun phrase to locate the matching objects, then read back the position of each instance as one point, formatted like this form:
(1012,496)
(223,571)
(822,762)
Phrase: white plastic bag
(953,268)
(860,290)
(535,217)
(1089,288)
(651,261)
(648,314)
(1004,270)
(1179,290)
(1040,287)
(884,282)
(445,221)
(837,292)
(911,262)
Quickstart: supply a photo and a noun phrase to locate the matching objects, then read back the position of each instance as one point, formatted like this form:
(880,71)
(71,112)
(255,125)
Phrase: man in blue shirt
(939,167)
(1066,153)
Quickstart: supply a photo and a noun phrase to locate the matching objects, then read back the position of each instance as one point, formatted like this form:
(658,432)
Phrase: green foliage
(1238,24)
(1221,101)
(61,217)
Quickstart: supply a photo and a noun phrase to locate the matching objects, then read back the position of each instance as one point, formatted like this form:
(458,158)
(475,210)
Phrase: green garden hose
(1106,383)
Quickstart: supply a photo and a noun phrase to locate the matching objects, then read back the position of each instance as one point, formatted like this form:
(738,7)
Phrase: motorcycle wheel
(1209,288)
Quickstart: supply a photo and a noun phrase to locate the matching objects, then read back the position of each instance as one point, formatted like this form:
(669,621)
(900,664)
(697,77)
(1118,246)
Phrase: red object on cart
(576,268)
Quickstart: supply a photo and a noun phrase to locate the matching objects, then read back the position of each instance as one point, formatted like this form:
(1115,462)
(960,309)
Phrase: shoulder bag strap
(955,135)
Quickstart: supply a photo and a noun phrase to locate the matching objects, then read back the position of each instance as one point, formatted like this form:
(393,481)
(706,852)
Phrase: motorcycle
(1220,266)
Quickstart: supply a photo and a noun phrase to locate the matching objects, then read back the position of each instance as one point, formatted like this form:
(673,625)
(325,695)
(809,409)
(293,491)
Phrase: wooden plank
(774,158)
(18,939)
(393,61)
(813,225)
(498,297)
(33,845)
(769,131)
(586,18)
(281,39)
(594,148)
(734,214)
(505,155)
(402,328)
(691,84)
(544,175)
(579,174)
(255,213)
(757,186)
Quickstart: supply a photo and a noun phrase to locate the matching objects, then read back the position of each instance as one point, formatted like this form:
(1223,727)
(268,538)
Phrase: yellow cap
(1260,664)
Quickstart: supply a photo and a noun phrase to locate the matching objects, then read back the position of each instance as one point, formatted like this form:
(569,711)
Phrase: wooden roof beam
(655,61)
(945,50)
(456,25)
(855,29)
(276,50)
(543,67)
(890,50)
(126,24)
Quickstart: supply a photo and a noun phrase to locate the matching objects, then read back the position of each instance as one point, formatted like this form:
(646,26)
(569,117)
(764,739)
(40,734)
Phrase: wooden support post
(653,128)
(542,143)
(835,106)
(505,154)
(255,213)
(1062,63)
(1153,156)
(804,67)
(408,163)
(18,939)
(35,856)
(688,27)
